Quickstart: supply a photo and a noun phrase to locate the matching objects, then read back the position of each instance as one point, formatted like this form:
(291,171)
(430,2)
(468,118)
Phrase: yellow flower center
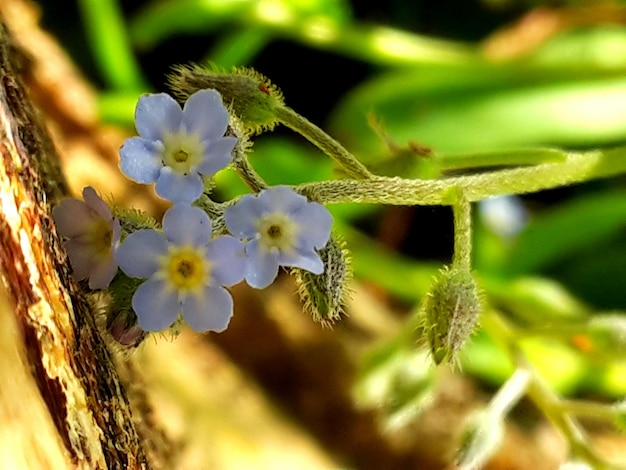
(99,237)
(277,232)
(185,269)
(182,152)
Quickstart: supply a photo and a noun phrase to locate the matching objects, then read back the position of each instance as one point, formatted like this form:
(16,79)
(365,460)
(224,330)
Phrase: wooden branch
(60,371)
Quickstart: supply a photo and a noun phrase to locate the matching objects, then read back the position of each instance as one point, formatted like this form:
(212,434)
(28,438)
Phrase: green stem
(323,141)
(578,167)
(589,409)
(510,393)
(246,172)
(462,209)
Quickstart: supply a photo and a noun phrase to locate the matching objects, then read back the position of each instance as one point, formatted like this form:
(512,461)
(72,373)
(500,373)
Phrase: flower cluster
(185,266)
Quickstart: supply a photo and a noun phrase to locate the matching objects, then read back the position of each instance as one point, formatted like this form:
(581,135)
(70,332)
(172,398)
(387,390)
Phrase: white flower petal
(138,255)
(156,113)
(156,306)
(187,225)
(210,311)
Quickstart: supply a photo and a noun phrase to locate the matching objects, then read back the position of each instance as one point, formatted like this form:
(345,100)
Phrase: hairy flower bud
(324,295)
(450,312)
(250,95)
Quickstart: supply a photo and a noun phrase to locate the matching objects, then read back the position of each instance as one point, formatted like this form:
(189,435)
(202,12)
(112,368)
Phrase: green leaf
(558,234)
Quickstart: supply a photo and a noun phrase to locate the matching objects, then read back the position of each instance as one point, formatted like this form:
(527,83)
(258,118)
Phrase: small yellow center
(185,268)
(181,156)
(99,238)
(277,232)
(182,152)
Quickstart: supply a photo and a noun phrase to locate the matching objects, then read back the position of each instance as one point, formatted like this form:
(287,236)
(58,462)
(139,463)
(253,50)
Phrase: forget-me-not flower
(185,269)
(176,146)
(92,235)
(283,229)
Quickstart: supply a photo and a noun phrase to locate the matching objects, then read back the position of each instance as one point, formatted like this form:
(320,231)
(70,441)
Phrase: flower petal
(187,225)
(205,115)
(95,203)
(156,113)
(241,217)
(228,256)
(103,273)
(72,217)
(138,255)
(156,306)
(141,159)
(179,188)
(210,311)
(305,259)
(217,156)
(281,199)
(81,257)
(315,222)
(262,266)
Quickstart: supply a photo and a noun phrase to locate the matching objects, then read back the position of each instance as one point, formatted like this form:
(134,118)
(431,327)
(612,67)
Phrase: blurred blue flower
(283,229)
(92,235)
(175,146)
(185,271)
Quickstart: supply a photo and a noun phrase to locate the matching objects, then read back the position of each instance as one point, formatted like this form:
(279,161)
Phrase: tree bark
(61,401)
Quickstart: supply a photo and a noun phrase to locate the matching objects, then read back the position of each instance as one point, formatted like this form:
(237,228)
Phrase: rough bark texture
(54,339)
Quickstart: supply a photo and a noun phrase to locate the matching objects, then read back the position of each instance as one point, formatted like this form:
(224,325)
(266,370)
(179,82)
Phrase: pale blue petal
(138,255)
(241,217)
(209,311)
(315,222)
(304,259)
(141,159)
(187,225)
(103,273)
(156,306)
(217,156)
(262,266)
(72,217)
(229,259)
(95,203)
(205,115)
(281,199)
(179,188)
(156,113)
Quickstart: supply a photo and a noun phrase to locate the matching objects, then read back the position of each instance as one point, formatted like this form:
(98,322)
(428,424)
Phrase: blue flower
(282,229)
(185,271)
(175,146)
(92,235)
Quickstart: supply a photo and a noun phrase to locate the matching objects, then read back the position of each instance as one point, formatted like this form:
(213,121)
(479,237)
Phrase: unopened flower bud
(250,95)
(450,313)
(324,295)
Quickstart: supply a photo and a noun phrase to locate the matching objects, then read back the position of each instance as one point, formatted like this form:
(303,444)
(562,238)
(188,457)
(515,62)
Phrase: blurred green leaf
(477,108)
(575,225)
(108,38)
